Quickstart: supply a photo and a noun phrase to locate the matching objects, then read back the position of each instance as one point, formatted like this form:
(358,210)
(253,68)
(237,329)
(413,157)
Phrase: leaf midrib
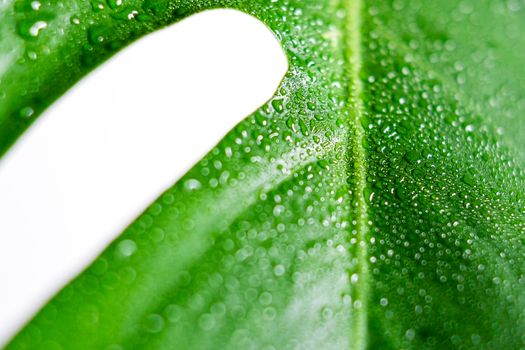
(359,290)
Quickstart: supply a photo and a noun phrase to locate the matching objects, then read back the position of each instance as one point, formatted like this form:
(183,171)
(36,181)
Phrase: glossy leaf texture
(375,202)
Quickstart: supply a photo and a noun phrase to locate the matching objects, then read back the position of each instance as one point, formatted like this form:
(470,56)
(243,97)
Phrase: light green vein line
(360,289)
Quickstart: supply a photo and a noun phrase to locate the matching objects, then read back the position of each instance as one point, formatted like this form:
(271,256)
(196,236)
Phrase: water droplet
(99,266)
(303,127)
(327,313)
(154,323)
(207,322)
(32,55)
(113,4)
(290,123)
(35,5)
(278,210)
(278,105)
(29,29)
(157,235)
(279,270)
(97,5)
(126,248)
(192,184)
(270,313)
(218,309)
(265,298)
(26,112)
(410,334)
(97,35)
(35,29)
(74,20)
(173,313)
(238,312)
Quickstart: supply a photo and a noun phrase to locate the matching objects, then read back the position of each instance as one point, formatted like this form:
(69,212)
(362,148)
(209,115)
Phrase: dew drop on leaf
(154,323)
(279,270)
(192,184)
(207,322)
(26,112)
(126,248)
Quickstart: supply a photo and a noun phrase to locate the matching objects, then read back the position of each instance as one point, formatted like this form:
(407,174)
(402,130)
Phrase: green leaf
(377,201)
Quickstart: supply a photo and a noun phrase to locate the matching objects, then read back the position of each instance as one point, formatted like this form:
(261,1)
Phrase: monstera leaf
(377,201)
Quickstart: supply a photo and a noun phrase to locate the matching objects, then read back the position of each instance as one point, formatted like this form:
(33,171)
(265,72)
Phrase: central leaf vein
(360,271)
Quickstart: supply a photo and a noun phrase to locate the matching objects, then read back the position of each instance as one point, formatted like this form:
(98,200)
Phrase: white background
(112,144)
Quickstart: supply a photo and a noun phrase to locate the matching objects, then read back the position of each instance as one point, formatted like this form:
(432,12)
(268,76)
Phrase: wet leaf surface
(375,202)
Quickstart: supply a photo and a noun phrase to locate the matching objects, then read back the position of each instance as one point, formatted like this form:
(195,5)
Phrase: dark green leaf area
(376,201)
(446,254)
